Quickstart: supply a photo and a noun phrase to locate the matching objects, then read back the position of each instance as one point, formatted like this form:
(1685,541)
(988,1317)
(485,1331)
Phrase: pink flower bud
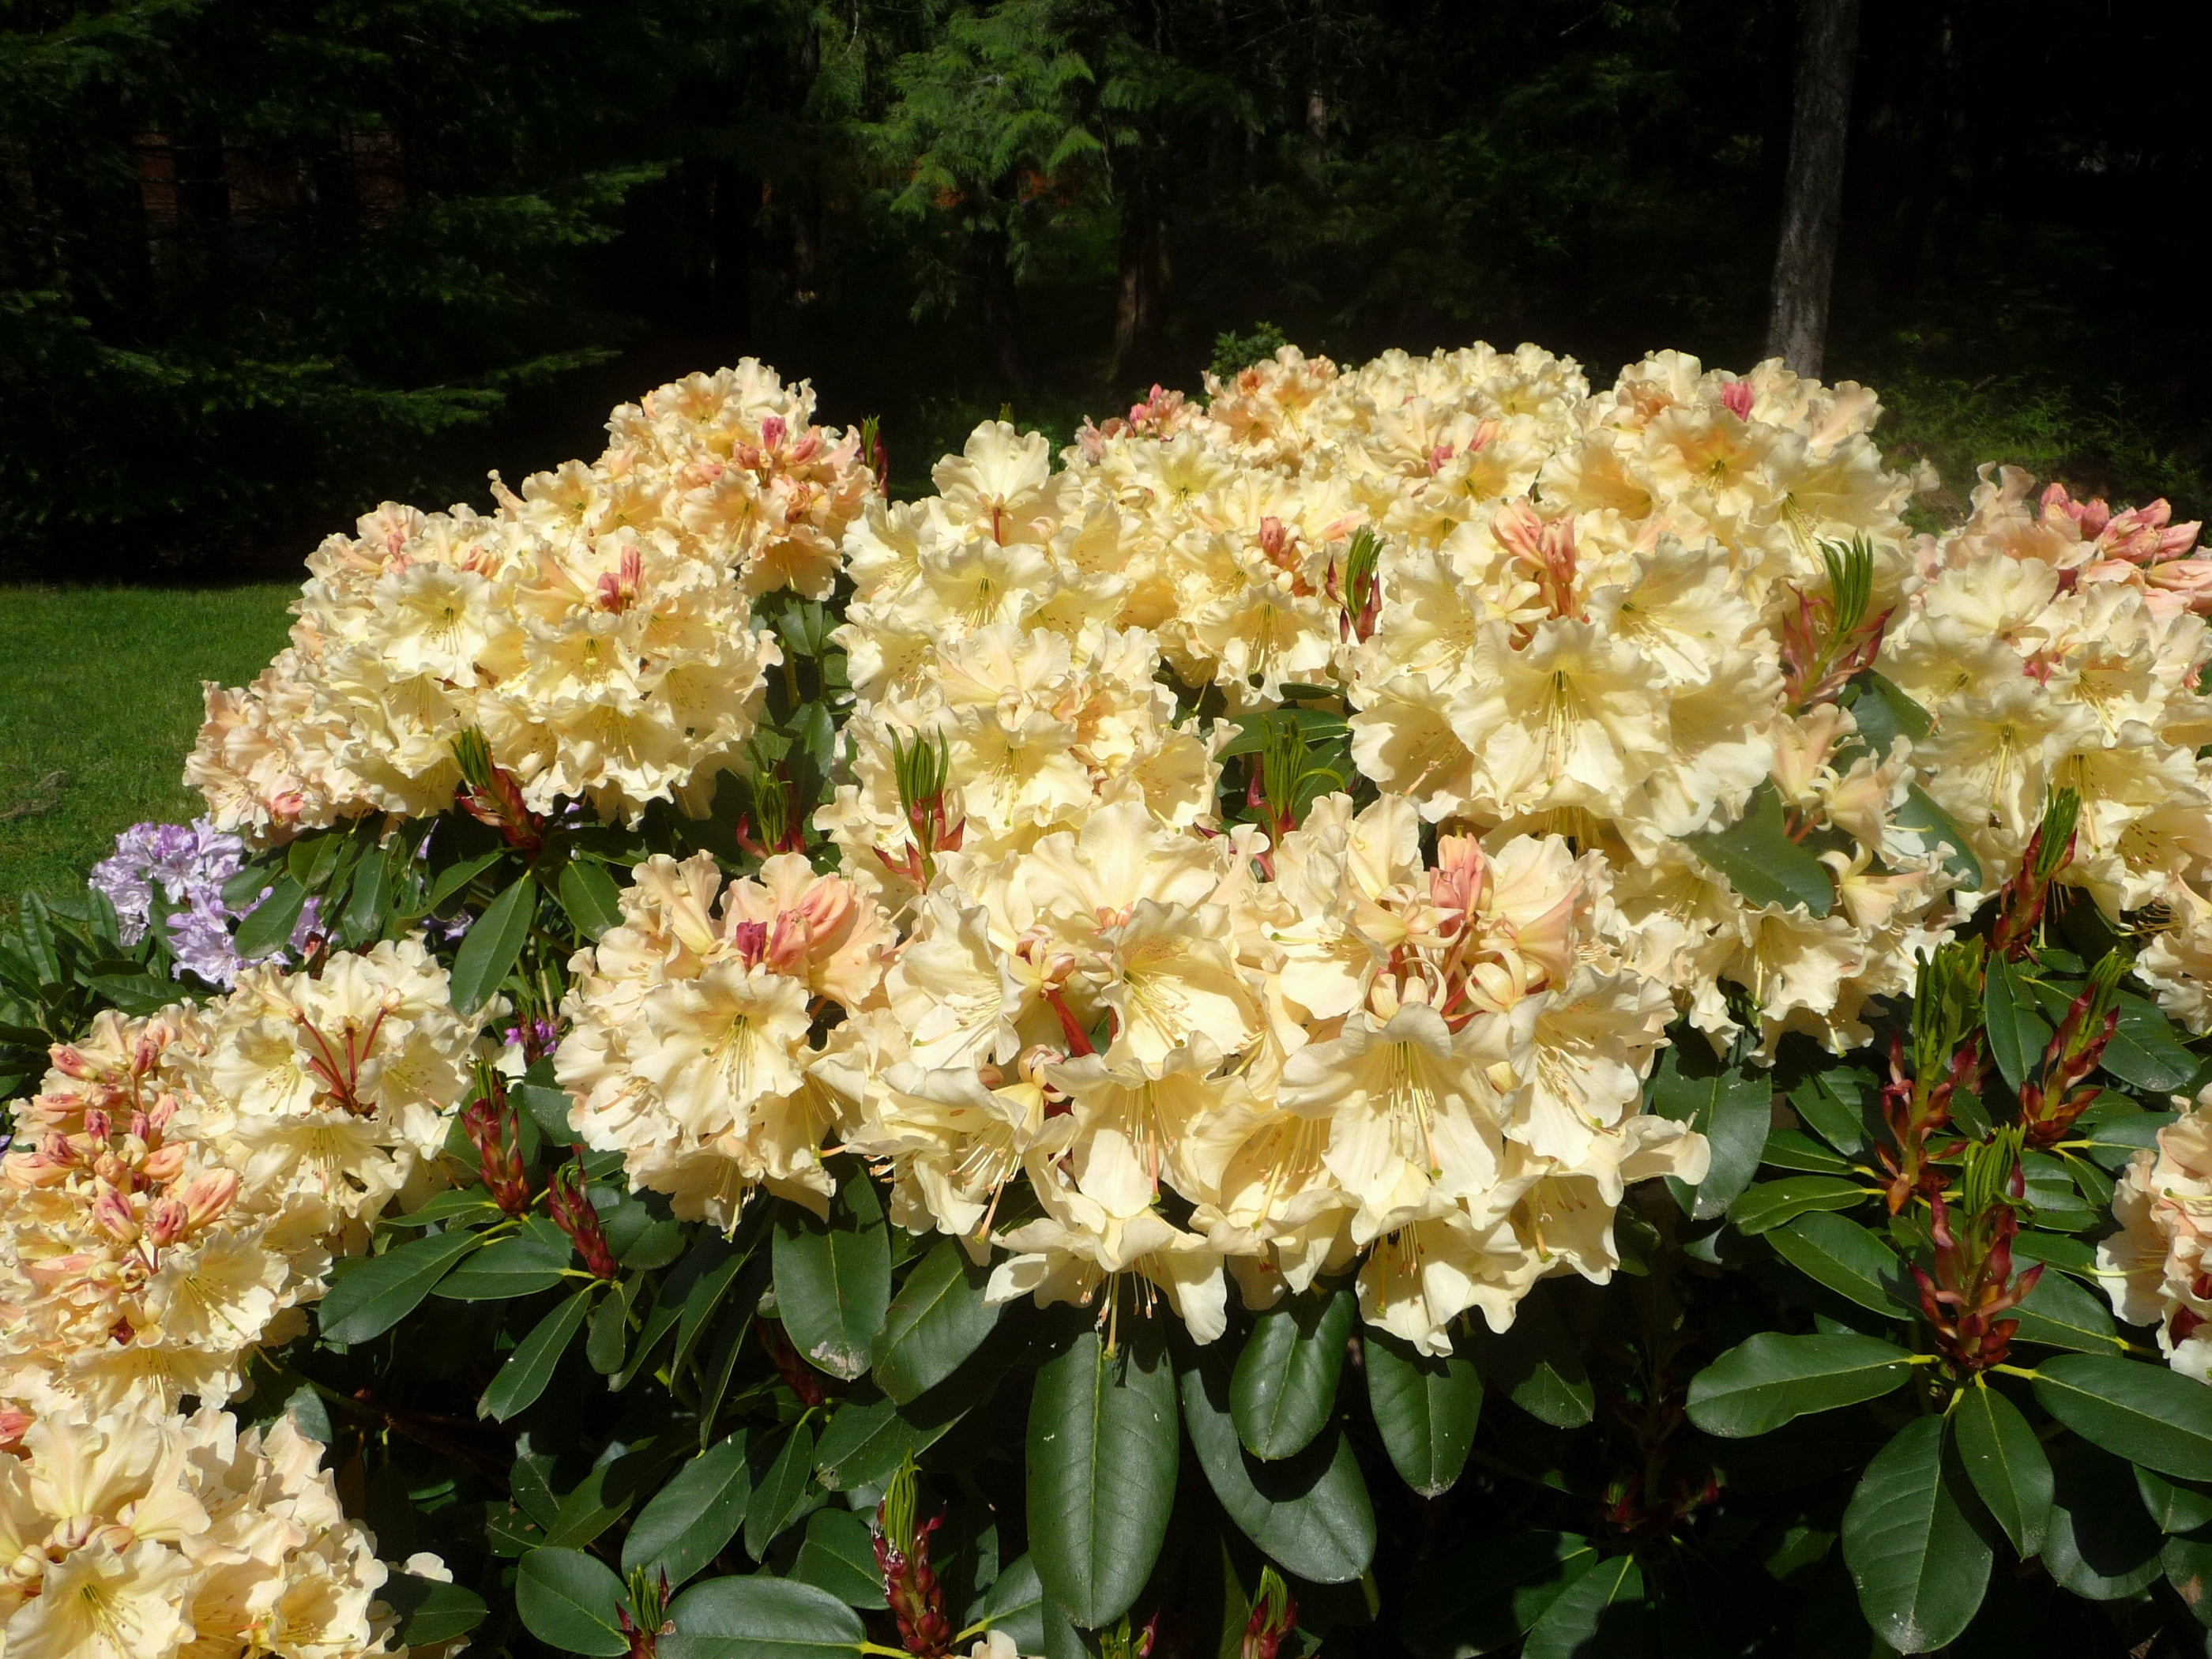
(111,1213)
(208,1195)
(167,1222)
(165,1164)
(1735,398)
(69,1063)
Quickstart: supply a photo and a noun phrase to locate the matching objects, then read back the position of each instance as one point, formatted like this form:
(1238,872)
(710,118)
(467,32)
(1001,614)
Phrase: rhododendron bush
(1414,1008)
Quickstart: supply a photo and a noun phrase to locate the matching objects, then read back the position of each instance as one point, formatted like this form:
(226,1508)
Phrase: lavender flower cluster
(188,864)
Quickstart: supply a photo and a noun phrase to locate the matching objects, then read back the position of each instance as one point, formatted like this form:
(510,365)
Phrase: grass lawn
(101,705)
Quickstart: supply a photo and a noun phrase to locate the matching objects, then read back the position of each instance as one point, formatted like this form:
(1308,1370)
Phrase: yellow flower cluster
(2155,1269)
(690,1028)
(133,1535)
(596,629)
(180,1184)
(2059,645)
(174,1193)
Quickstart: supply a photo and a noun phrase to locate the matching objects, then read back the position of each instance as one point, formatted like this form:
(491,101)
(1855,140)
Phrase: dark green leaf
(2188,1564)
(1309,1513)
(431,1611)
(1919,814)
(1426,1409)
(1793,1149)
(718,1283)
(2017,1033)
(2146,1051)
(1920,1562)
(1762,863)
(759,1618)
(1600,1612)
(1834,1103)
(2005,1461)
(2065,1314)
(590,899)
(2100,1544)
(383,1290)
(691,1520)
(1283,1391)
(833,1280)
(520,1265)
(1538,1365)
(1482,1598)
(1771,1203)
(455,877)
(1102,1450)
(1837,1252)
(531,1366)
(607,1340)
(2145,1413)
(1731,1108)
(1764,1382)
(568,1600)
(2174,1506)
(1015,1604)
(1885,712)
(936,1321)
(604,1496)
(870,1434)
(492,944)
(472,1205)
(838,1554)
(268,926)
(778,1490)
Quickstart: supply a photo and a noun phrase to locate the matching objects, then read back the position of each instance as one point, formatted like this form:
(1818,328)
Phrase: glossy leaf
(1015,1604)
(1762,863)
(759,1618)
(1426,1409)
(1850,1261)
(590,896)
(2005,1463)
(1731,1108)
(778,1490)
(2101,1545)
(1481,1599)
(1537,1364)
(936,1321)
(269,924)
(492,944)
(1600,1612)
(2173,1505)
(374,1298)
(869,1434)
(1764,1382)
(692,1519)
(2143,1412)
(838,1554)
(1920,1564)
(1309,1513)
(2065,1314)
(833,1280)
(532,1365)
(431,1612)
(1771,1203)
(2017,1032)
(2188,1566)
(1284,1390)
(568,1600)
(1102,1450)
(522,1264)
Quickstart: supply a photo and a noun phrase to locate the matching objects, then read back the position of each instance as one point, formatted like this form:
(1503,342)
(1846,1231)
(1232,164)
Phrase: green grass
(101,705)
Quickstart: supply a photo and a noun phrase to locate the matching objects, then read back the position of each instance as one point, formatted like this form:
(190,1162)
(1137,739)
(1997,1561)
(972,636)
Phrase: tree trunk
(994,296)
(1137,298)
(1812,194)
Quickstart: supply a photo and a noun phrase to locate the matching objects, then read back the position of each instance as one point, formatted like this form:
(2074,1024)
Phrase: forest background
(263,263)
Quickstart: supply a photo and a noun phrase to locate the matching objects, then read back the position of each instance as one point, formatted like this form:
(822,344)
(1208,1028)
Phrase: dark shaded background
(264,262)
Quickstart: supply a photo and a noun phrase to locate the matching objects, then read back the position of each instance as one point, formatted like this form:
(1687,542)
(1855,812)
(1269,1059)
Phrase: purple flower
(190,865)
